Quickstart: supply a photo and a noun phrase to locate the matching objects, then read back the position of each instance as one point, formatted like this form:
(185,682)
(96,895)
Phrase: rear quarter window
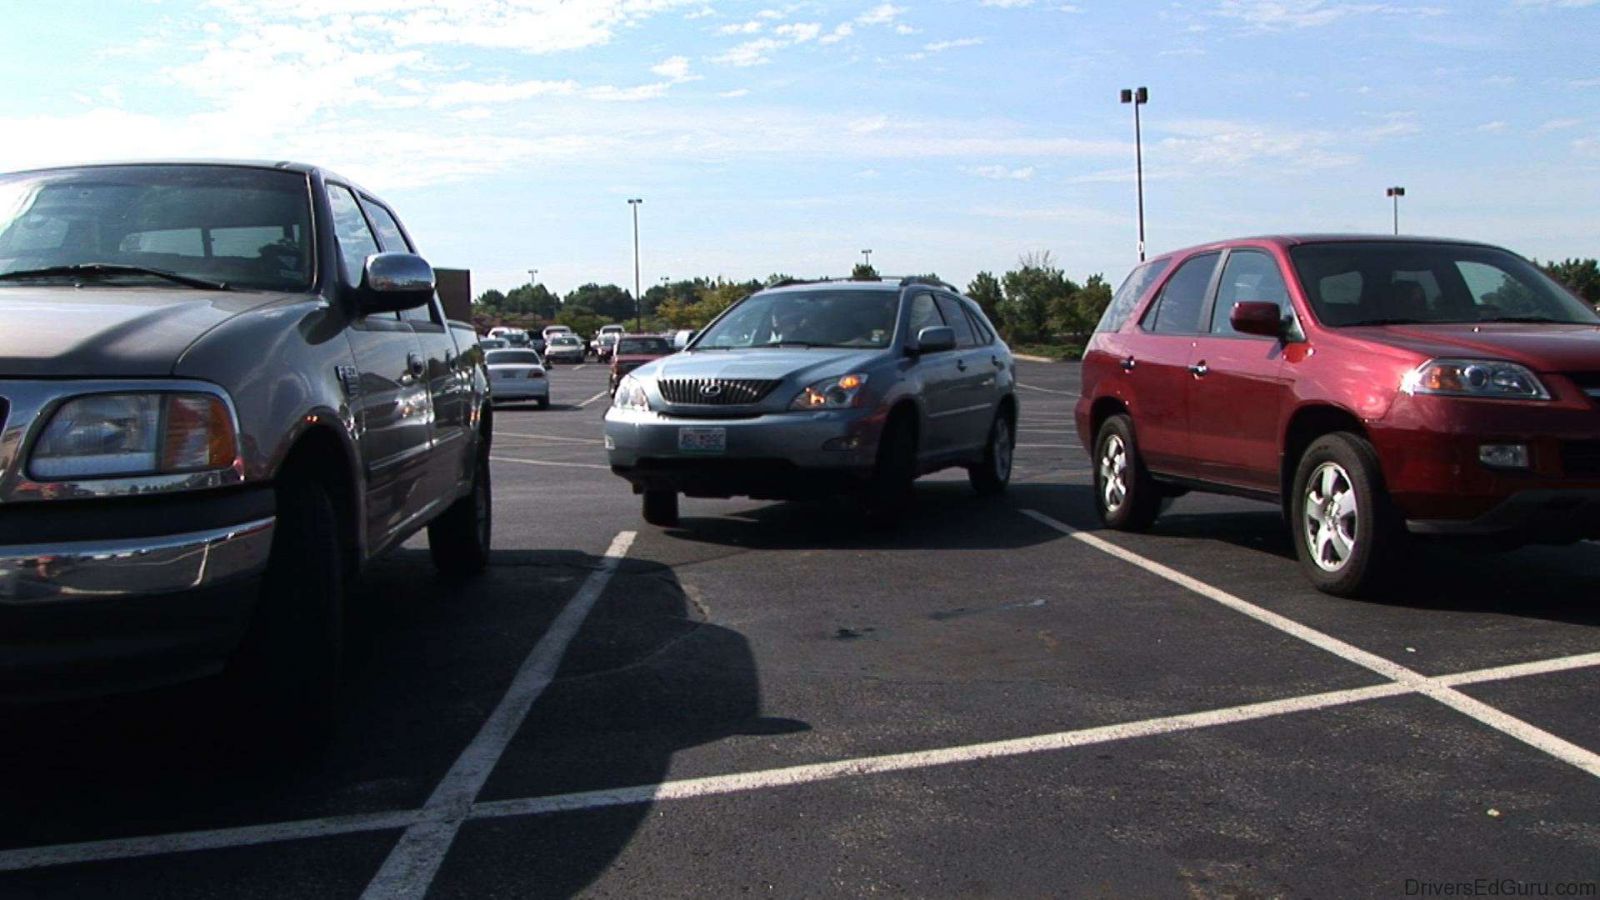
(1127,297)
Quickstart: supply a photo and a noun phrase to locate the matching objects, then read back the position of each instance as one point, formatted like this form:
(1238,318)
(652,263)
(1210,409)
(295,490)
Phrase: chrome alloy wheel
(1113,473)
(1330,517)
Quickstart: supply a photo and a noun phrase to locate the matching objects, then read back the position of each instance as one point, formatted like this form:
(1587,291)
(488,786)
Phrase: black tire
(286,672)
(459,539)
(991,476)
(661,508)
(544,402)
(1125,496)
(889,493)
(1346,531)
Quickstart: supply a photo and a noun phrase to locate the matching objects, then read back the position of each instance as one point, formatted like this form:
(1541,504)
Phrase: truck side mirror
(394,281)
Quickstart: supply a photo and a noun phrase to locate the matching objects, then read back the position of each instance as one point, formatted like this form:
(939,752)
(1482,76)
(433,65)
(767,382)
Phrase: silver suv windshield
(206,226)
(1404,283)
(819,318)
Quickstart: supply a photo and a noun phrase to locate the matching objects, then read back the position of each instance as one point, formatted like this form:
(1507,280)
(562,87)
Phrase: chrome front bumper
(84,570)
(806,440)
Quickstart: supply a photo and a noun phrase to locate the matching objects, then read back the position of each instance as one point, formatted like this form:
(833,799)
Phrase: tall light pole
(638,301)
(1138,97)
(1395,193)
(866,258)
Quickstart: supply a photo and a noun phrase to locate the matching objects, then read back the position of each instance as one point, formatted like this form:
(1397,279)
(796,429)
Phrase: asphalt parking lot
(992,700)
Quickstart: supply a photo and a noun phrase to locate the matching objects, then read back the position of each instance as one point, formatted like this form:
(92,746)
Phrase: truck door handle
(415,364)
(961,364)
(1199,369)
(1128,363)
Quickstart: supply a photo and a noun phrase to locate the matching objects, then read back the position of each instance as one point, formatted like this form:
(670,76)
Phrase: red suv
(1375,387)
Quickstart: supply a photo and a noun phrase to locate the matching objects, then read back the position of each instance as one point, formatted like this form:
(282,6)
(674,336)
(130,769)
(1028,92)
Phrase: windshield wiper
(102,270)
(1531,319)
(1391,321)
(802,344)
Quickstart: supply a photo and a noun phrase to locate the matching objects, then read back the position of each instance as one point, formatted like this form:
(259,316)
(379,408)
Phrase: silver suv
(820,387)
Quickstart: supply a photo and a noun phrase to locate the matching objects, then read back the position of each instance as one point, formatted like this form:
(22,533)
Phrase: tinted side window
(1128,296)
(1177,310)
(985,336)
(923,314)
(390,237)
(951,308)
(1250,276)
(355,239)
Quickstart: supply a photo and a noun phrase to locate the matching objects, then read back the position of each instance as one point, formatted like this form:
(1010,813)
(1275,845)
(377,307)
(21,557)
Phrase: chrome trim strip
(34,574)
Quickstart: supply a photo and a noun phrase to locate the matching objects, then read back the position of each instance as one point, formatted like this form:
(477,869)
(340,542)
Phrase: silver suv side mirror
(935,339)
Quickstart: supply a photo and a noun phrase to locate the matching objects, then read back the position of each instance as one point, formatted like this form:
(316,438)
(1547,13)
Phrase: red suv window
(1183,298)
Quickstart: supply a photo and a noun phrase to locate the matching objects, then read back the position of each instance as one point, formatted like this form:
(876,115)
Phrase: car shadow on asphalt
(1554,583)
(944,515)
(645,677)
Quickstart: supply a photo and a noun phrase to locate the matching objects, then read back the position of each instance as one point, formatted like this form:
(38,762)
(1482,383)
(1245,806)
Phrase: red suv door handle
(1199,369)
(1128,363)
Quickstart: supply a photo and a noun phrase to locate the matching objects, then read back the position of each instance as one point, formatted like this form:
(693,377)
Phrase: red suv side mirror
(1264,319)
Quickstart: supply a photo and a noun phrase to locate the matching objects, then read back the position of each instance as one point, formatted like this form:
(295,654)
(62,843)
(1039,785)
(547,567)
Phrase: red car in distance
(633,351)
(1377,388)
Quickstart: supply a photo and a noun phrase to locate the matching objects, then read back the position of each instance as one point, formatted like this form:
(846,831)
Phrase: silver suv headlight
(631,395)
(843,392)
(115,435)
(1491,378)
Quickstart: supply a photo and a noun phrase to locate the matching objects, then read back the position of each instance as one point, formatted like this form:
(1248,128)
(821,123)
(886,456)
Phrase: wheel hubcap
(1331,517)
(1113,473)
(1002,450)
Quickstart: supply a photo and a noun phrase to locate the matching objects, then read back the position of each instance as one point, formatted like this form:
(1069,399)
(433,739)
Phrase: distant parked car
(493,343)
(817,387)
(634,351)
(517,375)
(681,338)
(566,347)
(604,344)
(1374,387)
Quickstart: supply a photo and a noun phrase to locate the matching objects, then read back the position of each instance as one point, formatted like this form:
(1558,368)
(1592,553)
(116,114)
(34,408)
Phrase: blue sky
(945,135)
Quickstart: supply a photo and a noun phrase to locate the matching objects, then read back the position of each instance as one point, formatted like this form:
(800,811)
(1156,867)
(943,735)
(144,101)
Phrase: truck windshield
(247,228)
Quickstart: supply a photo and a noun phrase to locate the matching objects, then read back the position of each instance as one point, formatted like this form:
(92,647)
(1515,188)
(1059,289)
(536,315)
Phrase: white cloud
(1275,15)
(610,93)
(941,46)
(1495,127)
(1559,125)
(838,34)
(800,32)
(882,14)
(750,27)
(478,93)
(735,93)
(750,53)
(1001,173)
(673,67)
(869,125)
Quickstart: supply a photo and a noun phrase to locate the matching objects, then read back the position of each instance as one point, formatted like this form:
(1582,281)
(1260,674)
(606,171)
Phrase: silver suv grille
(715,391)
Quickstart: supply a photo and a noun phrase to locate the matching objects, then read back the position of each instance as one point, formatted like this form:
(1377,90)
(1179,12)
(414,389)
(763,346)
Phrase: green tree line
(1034,303)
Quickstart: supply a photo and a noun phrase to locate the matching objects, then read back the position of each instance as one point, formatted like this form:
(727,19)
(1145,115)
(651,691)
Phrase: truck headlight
(1490,378)
(631,395)
(113,435)
(842,392)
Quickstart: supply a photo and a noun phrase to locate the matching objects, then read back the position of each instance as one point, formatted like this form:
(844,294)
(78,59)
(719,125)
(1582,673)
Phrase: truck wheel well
(1306,426)
(907,410)
(1008,408)
(319,456)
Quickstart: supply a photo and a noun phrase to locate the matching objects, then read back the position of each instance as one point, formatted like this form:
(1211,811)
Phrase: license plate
(702,440)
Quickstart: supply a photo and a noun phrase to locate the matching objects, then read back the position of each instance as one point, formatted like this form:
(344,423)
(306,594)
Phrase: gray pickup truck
(224,388)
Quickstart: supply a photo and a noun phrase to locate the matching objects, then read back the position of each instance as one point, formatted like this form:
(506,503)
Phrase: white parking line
(542,462)
(415,859)
(1047,390)
(548,437)
(246,836)
(594,398)
(1531,735)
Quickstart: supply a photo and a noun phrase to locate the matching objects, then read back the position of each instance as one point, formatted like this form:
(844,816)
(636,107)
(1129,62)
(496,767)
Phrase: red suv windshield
(1393,283)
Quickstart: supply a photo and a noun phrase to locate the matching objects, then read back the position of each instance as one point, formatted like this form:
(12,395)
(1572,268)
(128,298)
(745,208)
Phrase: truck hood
(1542,347)
(64,331)
(769,364)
